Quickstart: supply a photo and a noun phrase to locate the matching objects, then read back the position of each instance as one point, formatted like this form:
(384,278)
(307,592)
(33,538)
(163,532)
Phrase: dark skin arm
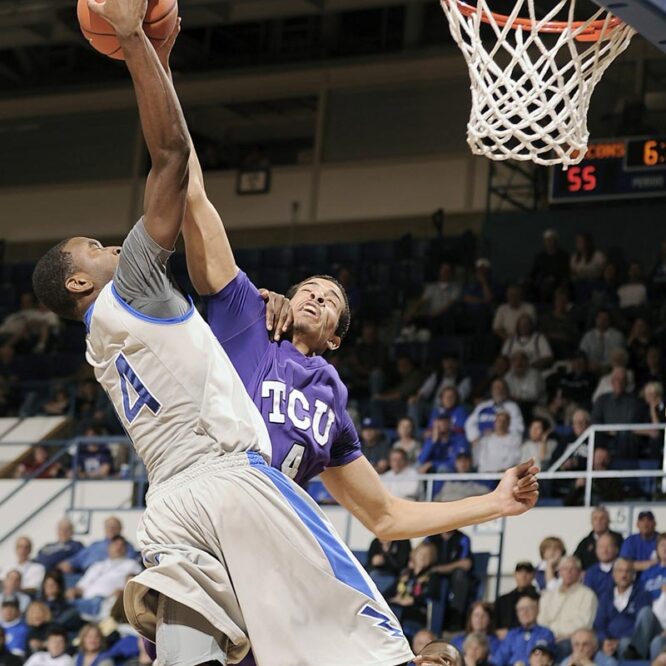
(162,121)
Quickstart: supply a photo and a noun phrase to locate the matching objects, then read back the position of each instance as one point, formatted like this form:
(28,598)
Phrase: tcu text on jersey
(295,406)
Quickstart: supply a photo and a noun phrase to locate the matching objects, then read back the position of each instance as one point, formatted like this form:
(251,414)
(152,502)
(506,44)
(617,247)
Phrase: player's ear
(79,284)
(333,343)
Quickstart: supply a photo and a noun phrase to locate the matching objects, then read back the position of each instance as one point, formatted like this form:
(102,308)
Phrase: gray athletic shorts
(239,543)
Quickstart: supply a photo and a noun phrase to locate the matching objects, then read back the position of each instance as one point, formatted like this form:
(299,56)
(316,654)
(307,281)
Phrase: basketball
(159,22)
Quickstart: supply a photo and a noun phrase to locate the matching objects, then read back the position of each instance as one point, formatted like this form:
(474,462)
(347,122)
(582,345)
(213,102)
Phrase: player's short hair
(345,318)
(48,281)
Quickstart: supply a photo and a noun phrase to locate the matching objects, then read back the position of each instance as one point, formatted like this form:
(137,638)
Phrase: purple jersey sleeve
(347,446)
(237,317)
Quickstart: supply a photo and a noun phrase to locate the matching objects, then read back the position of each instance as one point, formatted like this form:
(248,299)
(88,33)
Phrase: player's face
(93,259)
(318,305)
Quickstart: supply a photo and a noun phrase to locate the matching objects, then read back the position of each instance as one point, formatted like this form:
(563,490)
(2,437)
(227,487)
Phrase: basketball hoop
(531,87)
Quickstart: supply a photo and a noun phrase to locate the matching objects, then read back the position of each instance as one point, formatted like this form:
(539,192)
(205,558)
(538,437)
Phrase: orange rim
(592,31)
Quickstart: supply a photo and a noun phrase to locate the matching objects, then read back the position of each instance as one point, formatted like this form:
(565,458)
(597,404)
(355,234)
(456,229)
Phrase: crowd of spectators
(601,605)
(62,606)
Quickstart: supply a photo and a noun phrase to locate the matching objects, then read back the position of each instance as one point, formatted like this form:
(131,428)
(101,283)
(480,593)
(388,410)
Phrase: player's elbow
(174,153)
(385,524)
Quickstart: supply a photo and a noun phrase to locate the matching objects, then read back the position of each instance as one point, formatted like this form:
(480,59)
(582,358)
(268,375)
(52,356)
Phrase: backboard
(648,17)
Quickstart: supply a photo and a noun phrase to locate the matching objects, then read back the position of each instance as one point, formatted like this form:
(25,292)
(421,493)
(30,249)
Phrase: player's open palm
(126,16)
(518,490)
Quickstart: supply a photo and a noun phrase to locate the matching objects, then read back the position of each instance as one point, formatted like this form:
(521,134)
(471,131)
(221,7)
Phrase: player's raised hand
(164,50)
(518,490)
(279,315)
(126,16)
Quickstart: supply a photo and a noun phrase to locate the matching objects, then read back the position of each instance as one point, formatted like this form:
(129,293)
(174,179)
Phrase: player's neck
(303,345)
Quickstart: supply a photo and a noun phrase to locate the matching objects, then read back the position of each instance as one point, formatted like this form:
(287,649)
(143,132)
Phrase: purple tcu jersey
(301,398)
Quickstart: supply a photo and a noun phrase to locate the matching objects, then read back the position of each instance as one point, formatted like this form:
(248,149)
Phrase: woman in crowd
(53,595)
(476,650)
(587,263)
(551,551)
(406,440)
(91,648)
(479,621)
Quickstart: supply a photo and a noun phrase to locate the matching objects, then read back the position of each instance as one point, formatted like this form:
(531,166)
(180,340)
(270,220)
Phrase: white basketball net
(531,89)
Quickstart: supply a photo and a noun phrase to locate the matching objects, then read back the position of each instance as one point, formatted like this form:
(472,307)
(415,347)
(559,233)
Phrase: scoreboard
(629,168)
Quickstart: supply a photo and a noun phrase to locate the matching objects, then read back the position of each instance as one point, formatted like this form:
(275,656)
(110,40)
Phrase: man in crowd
(519,641)
(401,479)
(56,650)
(506,616)
(599,577)
(50,555)
(586,549)
(11,589)
(7,658)
(619,608)
(441,448)
(103,579)
(542,654)
(16,630)
(454,563)
(455,490)
(642,547)
(482,419)
(584,651)
(32,573)
(498,450)
(374,444)
(598,342)
(508,314)
(569,607)
(551,266)
(390,405)
(98,550)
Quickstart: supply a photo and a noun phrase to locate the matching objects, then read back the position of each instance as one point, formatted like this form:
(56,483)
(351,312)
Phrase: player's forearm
(162,121)
(407,520)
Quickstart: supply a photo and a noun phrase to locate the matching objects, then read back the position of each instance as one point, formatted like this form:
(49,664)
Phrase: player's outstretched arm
(162,121)
(358,488)
(210,260)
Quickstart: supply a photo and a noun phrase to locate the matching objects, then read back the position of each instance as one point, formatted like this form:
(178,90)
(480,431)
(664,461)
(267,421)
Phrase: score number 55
(582,178)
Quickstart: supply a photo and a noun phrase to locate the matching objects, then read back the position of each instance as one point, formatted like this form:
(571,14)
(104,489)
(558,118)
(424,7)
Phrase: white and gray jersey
(171,383)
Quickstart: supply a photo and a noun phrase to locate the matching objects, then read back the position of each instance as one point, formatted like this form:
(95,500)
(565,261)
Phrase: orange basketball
(158,24)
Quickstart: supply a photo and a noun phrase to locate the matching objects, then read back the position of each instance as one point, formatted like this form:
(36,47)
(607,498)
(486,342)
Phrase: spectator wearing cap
(98,550)
(441,448)
(507,314)
(401,479)
(482,419)
(50,555)
(551,266)
(533,344)
(505,606)
(586,549)
(32,573)
(569,607)
(619,608)
(6,657)
(584,651)
(642,547)
(455,490)
(519,641)
(55,653)
(16,630)
(449,403)
(374,445)
(429,395)
(498,450)
(542,654)
(599,576)
(599,341)
(11,589)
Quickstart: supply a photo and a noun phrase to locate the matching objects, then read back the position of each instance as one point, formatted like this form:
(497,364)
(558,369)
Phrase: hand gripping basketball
(99,21)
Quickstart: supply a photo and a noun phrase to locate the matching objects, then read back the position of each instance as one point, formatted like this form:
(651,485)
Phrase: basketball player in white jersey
(235,551)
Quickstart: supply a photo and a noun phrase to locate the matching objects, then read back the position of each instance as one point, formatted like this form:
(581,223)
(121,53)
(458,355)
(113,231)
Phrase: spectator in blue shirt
(618,609)
(441,448)
(599,577)
(449,403)
(52,554)
(518,644)
(642,547)
(16,630)
(654,578)
(98,550)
